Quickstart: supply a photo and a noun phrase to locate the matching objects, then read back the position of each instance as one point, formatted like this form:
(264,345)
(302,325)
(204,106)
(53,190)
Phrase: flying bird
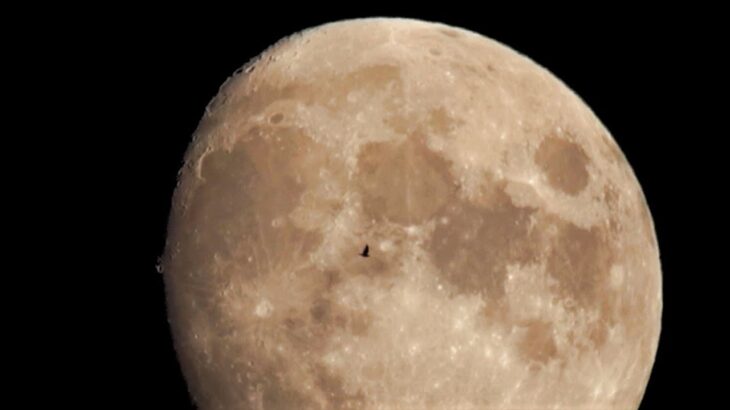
(365,251)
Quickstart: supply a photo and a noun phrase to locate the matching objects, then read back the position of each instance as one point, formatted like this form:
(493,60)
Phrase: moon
(512,261)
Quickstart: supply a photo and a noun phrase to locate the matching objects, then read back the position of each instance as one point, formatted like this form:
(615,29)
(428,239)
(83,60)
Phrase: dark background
(637,72)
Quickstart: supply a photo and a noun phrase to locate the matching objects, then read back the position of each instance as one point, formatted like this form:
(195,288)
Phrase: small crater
(321,311)
(276,118)
(387,245)
(564,163)
(435,51)
(248,68)
(264,308)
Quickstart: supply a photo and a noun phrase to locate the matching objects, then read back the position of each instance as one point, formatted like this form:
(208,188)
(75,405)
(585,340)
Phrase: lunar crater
(564,163)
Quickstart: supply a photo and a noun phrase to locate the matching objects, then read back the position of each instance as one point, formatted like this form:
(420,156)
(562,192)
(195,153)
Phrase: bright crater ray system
(512,259)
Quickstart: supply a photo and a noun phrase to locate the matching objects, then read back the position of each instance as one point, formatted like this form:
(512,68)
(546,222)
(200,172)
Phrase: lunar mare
(513,262)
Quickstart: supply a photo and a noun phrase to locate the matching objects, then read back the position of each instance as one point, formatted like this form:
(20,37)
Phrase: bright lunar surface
(512,258)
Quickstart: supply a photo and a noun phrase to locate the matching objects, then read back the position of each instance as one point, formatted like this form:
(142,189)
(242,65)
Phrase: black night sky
(630,67)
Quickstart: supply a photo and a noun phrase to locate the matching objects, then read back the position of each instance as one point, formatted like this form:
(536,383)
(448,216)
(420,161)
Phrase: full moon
(397,214)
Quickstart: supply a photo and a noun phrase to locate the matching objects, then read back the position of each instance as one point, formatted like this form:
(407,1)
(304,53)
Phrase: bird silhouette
(365,251)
